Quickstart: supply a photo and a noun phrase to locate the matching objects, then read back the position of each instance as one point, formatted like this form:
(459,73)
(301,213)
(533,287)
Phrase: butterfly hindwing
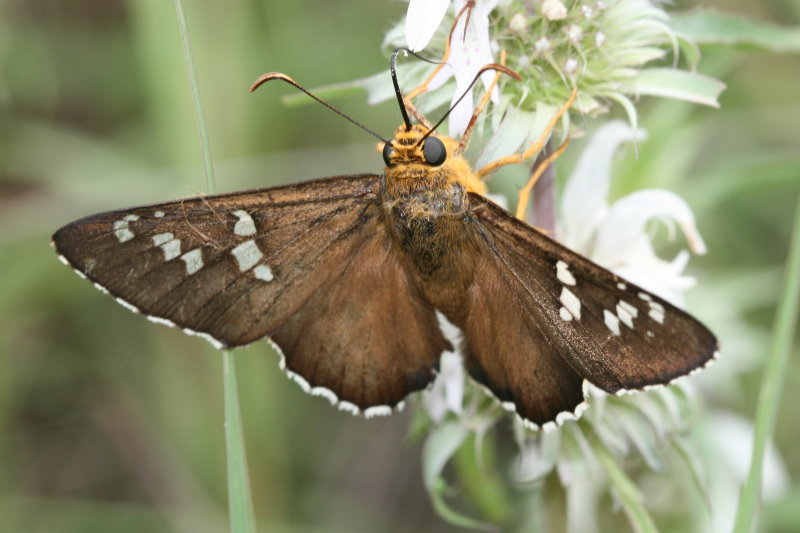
(284,262)
(558,319)
(367,333)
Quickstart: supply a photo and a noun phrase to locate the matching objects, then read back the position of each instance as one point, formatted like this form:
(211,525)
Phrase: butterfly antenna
(492,66)
(398,94)
(269,76)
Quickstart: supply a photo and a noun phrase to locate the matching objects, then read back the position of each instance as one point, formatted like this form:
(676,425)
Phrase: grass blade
(240,500)
(202,130)
(772,382)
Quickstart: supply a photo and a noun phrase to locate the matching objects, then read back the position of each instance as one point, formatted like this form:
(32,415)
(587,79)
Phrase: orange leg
(535,147)
(525,192)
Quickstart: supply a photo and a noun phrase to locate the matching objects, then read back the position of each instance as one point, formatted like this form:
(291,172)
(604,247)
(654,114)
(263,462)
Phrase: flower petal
(422,19)
(447,392)
(469,51)
(625,224)
(584,204)
(623,245)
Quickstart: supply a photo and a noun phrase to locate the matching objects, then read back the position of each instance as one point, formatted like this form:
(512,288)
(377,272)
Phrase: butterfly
(346,275)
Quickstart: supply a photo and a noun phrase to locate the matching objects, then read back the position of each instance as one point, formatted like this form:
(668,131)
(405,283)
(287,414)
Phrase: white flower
(574,32)
(616,236)
(542,45)
(599,38)
(447,393)
(422,19)
(554,10)
(469,50)
(570,65)
(518,24)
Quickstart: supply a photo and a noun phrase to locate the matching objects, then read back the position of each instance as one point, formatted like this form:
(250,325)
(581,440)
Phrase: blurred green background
(110,423)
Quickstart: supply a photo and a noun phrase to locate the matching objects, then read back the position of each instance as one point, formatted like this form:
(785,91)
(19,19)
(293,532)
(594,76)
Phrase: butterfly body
(427,212)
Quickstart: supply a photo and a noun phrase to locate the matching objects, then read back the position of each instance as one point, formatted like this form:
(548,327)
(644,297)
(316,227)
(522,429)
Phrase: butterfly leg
(525,192)
(535,147)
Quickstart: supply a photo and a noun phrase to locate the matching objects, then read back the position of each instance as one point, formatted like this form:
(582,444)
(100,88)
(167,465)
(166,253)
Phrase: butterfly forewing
(241,266)
(572,319)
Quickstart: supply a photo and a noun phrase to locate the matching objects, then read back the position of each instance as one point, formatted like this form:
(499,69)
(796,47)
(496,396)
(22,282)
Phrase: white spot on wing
(193,260)
(100,288)
(122,232)
(349,407)
(629,308)
(565,315)
(612,322)
(126,305)
(571,302)
(326,393)
(214,342)
(162,238)
(646,297)
(158,214)
(245,225)
(657,315)
(263,272)
(377,410)
(247,255)
(300,380)
(621,286)
(563,273)
(159,320)
(624,315)
(172,249)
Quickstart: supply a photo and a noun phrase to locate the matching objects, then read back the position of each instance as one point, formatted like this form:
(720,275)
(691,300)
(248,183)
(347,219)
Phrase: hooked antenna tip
(264,78)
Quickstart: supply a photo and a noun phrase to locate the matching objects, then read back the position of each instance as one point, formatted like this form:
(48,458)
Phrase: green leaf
(714,27)
(629,496)
(772,382)
(678,84)
(627,105)
(441,446)
(691,458)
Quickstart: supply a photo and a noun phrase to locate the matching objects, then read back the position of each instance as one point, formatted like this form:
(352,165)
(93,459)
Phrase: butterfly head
(416,153)
(417,146)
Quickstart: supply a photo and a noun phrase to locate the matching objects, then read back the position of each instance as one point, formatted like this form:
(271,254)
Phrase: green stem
(772,382)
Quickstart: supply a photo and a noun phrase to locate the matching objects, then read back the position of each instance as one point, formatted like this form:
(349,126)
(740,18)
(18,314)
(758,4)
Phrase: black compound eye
(387,154)
(434,151)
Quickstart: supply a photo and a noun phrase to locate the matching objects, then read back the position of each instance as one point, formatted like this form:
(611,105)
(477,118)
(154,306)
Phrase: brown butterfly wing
(540,319)
(238,267)
(367,334)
